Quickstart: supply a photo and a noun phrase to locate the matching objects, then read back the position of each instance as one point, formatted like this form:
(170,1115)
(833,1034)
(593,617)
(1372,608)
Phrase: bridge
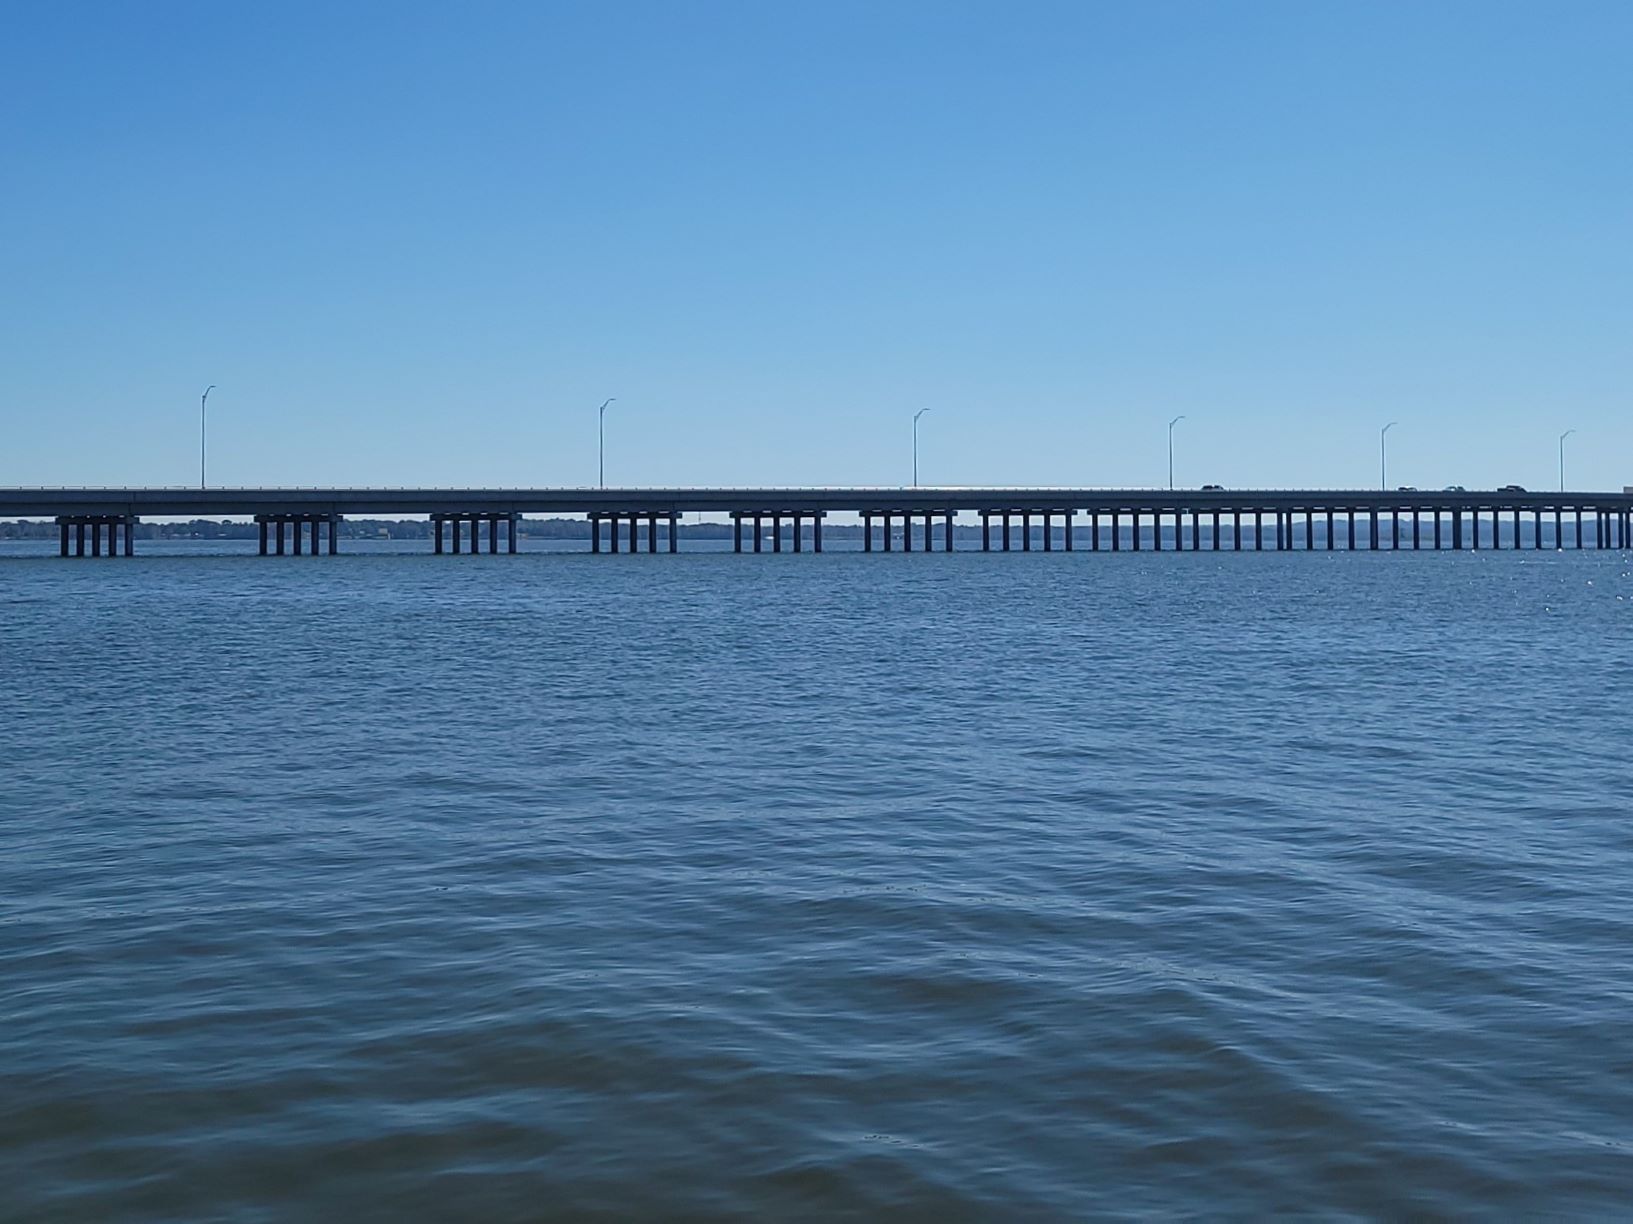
(1211,519)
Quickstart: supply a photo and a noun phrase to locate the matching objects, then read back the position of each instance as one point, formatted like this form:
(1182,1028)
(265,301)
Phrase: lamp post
(601,440)
(1171,425)
(1383,455)
(202,400)
(1562,438)
(916,417)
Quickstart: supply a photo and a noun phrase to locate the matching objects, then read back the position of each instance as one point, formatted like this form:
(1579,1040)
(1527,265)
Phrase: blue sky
(420,243)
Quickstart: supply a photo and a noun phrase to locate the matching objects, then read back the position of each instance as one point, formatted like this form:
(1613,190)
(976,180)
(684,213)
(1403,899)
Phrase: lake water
(942,887)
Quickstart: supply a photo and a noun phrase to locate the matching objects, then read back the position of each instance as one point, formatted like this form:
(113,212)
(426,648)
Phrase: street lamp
(1562,438)
(916,417)
(601,438)
(1383,455)
(1171,425)
(202,400)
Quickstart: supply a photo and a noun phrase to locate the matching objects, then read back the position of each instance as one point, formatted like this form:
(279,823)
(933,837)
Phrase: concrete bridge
(1097,519)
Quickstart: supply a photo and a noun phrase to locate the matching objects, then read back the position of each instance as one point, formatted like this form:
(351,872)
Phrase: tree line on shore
(396,529)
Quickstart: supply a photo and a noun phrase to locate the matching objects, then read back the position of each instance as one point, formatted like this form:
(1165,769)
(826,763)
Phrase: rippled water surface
(960,887)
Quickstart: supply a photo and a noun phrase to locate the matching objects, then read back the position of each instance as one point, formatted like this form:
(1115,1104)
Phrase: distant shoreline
(403,529)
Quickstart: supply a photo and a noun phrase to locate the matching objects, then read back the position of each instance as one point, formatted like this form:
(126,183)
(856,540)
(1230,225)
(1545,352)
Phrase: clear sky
(418,243)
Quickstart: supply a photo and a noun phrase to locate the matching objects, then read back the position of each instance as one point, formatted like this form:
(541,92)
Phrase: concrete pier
(301,529)
(73,530)
(451,526)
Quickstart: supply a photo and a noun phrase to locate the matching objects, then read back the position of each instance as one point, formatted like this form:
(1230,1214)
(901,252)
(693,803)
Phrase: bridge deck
(220,503)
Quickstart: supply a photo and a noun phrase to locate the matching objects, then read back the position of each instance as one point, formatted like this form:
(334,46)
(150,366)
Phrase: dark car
(1407,489)
(1512,489)
(1213,488)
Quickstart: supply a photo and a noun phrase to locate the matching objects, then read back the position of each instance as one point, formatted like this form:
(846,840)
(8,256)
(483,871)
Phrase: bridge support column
(799,530)
(1134,530)
(651,534)
(1116,532)
(1373,536)
(759,528)
(1048,532)
(1331,543)
(736,532)
(1309,531)
(947,535)
(867,533)
(888,542)
(1236,528)
(1156,531)
(1070,515)
(907,531)
(986,531)
(1196,531)
(73,526)
(928,516)
(1006,530)
(816,529)
(1026,531)
(1094,531)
